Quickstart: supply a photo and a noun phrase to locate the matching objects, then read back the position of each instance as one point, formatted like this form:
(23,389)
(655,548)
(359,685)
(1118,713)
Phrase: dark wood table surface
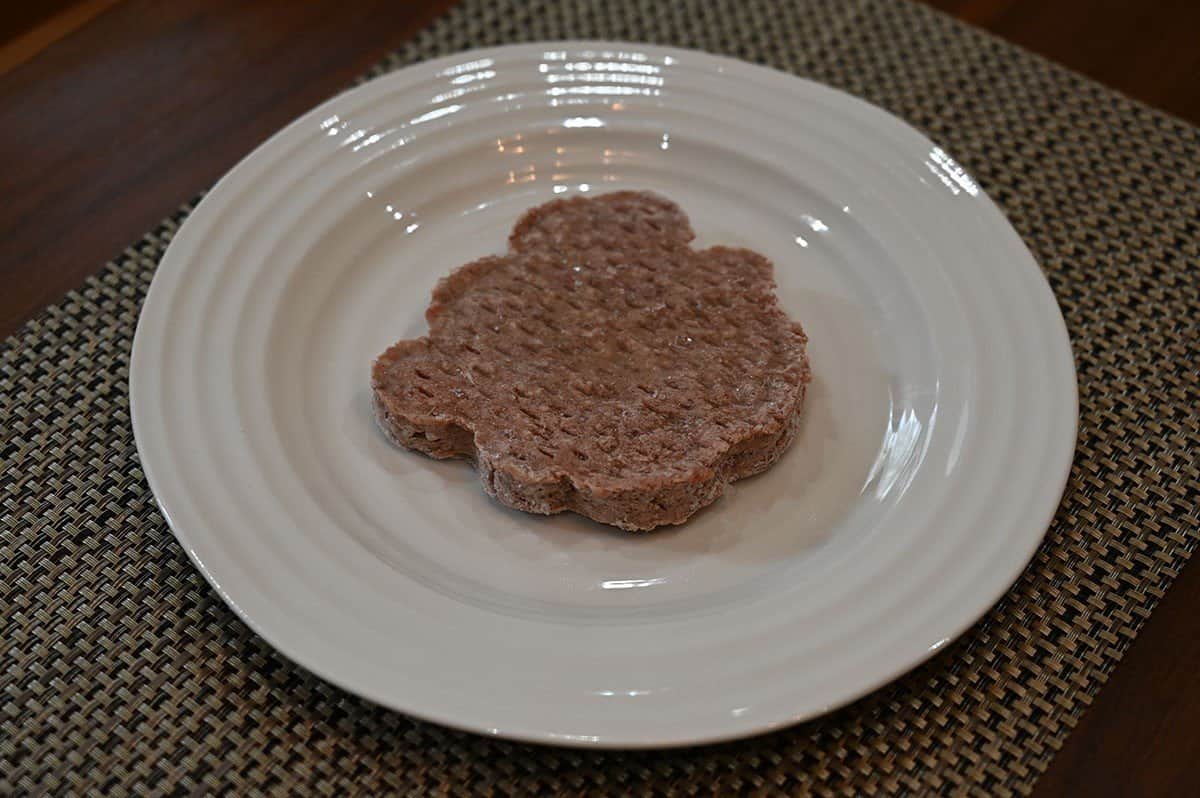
(112,112)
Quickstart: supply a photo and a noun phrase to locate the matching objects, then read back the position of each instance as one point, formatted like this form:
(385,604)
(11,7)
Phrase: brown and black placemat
(123,671)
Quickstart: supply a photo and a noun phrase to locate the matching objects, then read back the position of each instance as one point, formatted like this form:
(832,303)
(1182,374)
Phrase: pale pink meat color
(602,366)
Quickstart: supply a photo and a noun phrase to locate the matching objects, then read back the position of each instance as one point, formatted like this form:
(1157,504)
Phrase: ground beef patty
(602,366)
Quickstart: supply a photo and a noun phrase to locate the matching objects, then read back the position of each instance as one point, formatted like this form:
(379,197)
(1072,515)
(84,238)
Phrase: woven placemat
(123,671)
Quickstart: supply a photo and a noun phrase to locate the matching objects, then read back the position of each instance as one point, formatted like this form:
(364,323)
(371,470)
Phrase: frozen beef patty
(602,366)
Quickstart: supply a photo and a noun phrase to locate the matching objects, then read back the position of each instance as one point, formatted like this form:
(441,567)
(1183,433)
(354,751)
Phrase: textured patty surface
(602,365)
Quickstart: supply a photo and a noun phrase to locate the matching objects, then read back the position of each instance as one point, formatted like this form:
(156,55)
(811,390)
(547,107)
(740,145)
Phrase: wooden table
(114,111)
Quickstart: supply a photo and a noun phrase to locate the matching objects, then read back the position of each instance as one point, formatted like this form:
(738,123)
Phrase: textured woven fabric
(123,671)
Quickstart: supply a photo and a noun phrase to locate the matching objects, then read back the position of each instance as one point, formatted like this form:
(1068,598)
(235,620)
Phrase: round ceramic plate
(936,440)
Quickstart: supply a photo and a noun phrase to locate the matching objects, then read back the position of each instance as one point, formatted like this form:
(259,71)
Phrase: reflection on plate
(936,439)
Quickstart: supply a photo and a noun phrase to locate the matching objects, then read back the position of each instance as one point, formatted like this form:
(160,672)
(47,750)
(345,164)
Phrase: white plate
(938,435)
